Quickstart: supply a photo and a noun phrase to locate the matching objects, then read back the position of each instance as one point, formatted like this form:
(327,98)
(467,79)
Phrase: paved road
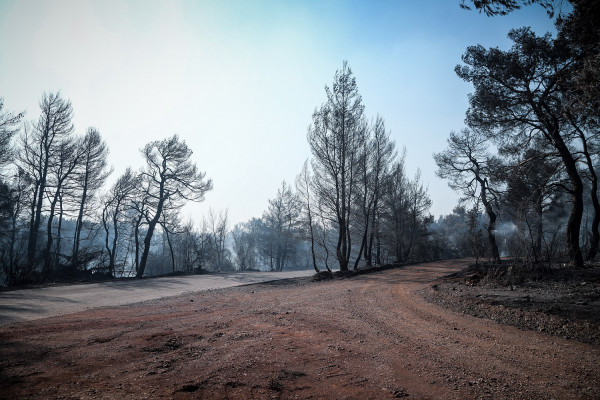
(31,304)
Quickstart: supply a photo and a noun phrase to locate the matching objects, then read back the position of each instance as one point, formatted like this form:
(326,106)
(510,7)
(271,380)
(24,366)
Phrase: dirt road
(369,337)
(30,304)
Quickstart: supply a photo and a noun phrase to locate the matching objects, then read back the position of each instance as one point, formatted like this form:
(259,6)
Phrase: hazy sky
(239,80)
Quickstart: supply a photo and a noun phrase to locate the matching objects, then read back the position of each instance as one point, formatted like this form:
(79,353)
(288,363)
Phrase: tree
(12,200)
(244,246)
(470,169)
(8,128)
(114,210)
(205,250)
(336,139)
(475,234)
(419,219)
(40,147)
(403,218)
(188,245)
(219,229)
(531,188)
(90,176)
(378,153)
(169,179)
(503,7)
(303,188)
(453,229)
(577,82)
(10,195)
(67,158)
(579,33)
(281,220)
(518,97)
(171,226)
(140,204)
(590,151)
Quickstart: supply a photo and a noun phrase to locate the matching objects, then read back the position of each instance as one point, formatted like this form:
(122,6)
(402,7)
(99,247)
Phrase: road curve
(32,304)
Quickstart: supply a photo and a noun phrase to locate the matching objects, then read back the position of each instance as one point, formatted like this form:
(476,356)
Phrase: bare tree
(531,187)
(8,128)
(170,178)
(469,169)
(281,218)
(378,153)
(324,232)
(219,229)
(188,245)
(171,226)
(11,194)
(404,214)
(12,247)
(67,159)
(40,148)
(90,176)
(303,188)
(116,203)
(140,204)
(336,139)
(205,250)
(244,246)
(418,219)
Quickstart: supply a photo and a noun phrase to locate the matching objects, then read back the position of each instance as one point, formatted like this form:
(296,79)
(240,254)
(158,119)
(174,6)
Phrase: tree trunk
(594,190)
(107,245)
(79,223)
(137,249)
(58,233)
(30,253)
(47,250)
(596,222)
(171,251)
(312,240)
(148,239)
(594,194)
(147,242)
(342,247)
(136,233)
(360,251)
(574,223)
(369,248)
(540,227)
(491,226)
(36,218)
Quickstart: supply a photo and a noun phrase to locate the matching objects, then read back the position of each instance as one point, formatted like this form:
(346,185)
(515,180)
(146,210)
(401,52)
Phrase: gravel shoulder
(373,336)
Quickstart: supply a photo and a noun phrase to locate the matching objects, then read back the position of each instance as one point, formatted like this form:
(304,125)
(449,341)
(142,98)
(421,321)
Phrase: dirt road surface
(30,304)
(370,337)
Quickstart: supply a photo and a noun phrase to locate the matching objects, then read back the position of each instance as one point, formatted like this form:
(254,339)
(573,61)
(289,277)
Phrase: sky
(239,80)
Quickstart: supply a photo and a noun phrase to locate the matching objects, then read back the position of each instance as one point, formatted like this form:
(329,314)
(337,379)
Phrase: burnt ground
(557,300)
(398,333)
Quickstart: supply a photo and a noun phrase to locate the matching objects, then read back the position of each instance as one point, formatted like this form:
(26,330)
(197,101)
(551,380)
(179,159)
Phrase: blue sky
(239,80)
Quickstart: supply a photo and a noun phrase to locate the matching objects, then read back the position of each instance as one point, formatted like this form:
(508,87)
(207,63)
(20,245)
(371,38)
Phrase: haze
(239,80)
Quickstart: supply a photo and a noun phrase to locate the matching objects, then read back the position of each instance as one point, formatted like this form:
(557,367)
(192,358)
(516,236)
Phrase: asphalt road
(31,304)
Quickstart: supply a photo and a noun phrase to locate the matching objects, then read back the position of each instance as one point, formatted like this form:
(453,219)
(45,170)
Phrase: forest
(525,165)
